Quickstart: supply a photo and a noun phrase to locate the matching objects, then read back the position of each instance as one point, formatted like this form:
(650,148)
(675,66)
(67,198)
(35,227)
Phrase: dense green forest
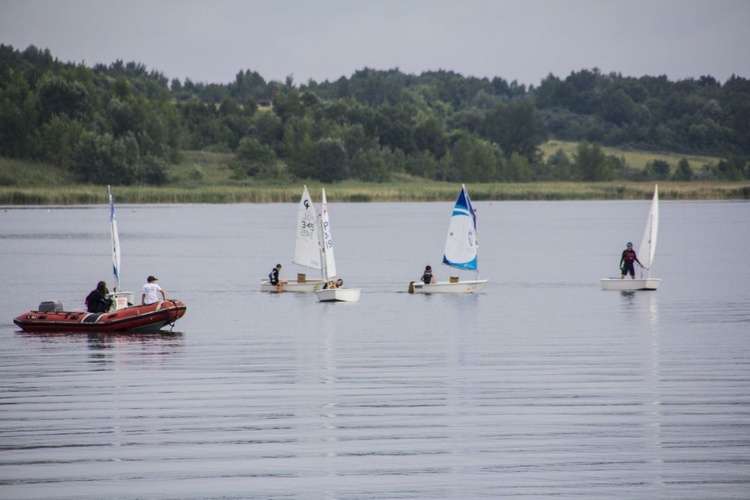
(123,124)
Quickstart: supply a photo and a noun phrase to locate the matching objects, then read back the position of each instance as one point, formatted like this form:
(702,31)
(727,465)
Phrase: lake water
(544,385)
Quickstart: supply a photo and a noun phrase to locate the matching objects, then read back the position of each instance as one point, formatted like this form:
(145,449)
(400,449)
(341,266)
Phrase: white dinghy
(306,250)
(329,263)
(461,250)
(645,255)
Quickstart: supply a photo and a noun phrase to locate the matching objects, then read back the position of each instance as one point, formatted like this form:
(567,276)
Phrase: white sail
(307,246)
(648,243)
(326,242)
(335,293)
(115,241)
(461,243)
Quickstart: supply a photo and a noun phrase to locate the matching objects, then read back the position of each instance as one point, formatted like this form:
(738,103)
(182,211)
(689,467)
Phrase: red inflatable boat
(151,318)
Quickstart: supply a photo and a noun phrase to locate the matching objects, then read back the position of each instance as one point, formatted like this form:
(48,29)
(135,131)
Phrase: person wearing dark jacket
(627,261)
(273,276)
(97,301)
(427,277)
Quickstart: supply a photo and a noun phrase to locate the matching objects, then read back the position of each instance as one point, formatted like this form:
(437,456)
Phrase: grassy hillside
(634,159)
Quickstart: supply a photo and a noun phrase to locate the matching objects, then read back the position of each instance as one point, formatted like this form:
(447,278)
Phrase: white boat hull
(467,286)
(338,295)
(630,284)
(292,286)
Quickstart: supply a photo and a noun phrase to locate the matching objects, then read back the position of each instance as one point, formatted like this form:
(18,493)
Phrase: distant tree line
(123,124)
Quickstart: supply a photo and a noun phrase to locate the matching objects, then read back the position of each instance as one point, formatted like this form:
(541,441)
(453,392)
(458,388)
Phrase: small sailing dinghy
(645,255)
(306,250)
(123,316)
(330,294)
(461,250)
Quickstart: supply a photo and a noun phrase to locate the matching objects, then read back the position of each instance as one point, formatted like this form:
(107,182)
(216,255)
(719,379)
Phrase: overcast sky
(522,40)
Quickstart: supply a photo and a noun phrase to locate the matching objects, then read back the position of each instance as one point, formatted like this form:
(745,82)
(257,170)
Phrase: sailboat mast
(648,243)
(321,249)
(115,240)
(476,234)
(329,263)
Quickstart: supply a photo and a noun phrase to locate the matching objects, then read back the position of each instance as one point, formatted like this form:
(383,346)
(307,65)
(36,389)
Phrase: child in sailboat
(427,276)
(273,276)
(627,261)
(334,284)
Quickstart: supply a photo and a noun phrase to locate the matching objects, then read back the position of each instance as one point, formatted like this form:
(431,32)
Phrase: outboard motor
(50,306)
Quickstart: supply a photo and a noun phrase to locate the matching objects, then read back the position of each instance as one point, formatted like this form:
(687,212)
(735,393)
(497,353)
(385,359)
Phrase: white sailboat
(645,255)
(306,250)
(329,263)
(120,299)
(461,250)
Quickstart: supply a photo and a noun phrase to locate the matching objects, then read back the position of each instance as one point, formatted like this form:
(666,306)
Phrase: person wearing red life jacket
(627,261)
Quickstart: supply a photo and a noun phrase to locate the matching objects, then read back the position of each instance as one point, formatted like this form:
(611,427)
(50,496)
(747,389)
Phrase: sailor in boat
(427,277)
(628,260)
(97,301)
(151,291)
(334,284)
(273,276)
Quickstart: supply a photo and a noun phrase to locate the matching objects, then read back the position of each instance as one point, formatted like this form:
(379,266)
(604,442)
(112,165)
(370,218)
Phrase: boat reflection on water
(637,303)
(113,340)
(134,349)
(114,347)
(103,337)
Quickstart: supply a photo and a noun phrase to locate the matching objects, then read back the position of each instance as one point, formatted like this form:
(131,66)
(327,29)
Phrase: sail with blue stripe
(326,241)
(115,242)
(461,244)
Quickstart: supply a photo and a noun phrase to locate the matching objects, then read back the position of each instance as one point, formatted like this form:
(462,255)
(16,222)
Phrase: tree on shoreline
(123,124)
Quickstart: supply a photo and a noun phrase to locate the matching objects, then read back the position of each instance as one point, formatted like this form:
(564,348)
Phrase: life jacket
(629,255)
(427,277)
(273,276)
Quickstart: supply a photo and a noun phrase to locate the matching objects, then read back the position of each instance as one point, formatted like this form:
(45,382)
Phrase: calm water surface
(544,385)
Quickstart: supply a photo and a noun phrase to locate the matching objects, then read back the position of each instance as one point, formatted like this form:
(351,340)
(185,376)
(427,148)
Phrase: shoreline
(351,192)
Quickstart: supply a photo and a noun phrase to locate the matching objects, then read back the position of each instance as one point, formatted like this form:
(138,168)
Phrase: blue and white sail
(335,293)
(461,244)
(115,241)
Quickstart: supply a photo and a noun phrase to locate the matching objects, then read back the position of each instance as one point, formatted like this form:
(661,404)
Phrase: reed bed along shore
(361,192)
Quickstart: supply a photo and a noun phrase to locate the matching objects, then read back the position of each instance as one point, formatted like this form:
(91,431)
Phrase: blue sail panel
(466,266)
